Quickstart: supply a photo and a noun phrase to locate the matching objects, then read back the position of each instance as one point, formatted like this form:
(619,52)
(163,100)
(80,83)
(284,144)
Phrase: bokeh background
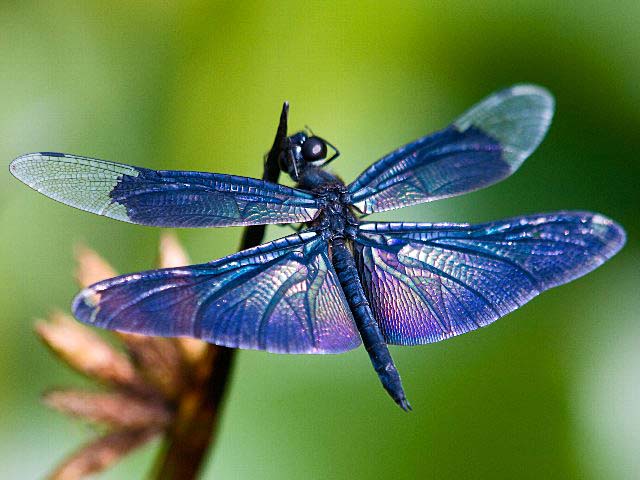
(551,391)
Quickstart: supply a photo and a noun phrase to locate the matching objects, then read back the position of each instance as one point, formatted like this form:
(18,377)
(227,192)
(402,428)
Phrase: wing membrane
(428,282)
(281,297)
(485,145)
(162,198)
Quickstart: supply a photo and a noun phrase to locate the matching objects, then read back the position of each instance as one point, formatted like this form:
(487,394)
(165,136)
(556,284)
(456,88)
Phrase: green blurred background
(552,391)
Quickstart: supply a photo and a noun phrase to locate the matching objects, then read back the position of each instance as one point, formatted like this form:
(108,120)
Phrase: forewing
(485,145)
(428,282)
(162,198)
(281,297)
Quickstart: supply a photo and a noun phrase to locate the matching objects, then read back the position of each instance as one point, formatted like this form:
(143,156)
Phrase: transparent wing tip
(531,89)
(26,167)
(517,117)
(19,167)
(540,97)
(613,233)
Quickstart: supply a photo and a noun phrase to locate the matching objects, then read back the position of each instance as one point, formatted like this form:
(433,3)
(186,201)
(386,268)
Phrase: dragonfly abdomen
(372,338)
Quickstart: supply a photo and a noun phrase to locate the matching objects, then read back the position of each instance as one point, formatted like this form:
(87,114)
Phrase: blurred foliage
(552,391)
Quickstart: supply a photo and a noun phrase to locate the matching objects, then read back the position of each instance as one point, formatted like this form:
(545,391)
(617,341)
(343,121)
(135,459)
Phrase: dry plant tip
(91,267)
(171,252)
(118,410)
(158,359)
(86,352)
(102,453)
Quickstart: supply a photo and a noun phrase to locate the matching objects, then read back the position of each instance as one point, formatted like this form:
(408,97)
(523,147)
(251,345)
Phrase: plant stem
(186,445)
(193,434)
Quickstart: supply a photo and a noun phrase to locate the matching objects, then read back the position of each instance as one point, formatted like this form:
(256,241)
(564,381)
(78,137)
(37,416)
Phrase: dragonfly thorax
(336,218)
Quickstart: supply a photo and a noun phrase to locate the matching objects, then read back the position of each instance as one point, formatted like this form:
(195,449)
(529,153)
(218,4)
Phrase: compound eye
(314,149)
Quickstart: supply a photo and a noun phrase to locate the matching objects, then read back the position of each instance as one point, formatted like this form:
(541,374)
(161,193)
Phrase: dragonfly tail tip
(404,404)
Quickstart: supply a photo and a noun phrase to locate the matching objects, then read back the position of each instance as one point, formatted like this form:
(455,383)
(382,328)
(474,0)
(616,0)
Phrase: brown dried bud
(115,409)
(158,360)
(99,455)
(87,353)
(91,267)
(171,253)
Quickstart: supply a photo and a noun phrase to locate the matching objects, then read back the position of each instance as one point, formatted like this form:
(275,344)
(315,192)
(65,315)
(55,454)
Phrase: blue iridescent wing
(428,282)
(281,297)
(163,198)
(485,145)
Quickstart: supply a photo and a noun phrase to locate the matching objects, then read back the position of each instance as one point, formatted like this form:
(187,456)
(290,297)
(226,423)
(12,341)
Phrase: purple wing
(485,145)
(428,282)
(162,198)
(282,297)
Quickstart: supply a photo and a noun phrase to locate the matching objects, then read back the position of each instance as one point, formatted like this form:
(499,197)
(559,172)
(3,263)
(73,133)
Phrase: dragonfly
(339,281)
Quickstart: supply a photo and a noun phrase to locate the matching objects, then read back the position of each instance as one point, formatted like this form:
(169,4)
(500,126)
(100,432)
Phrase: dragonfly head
(304,149)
